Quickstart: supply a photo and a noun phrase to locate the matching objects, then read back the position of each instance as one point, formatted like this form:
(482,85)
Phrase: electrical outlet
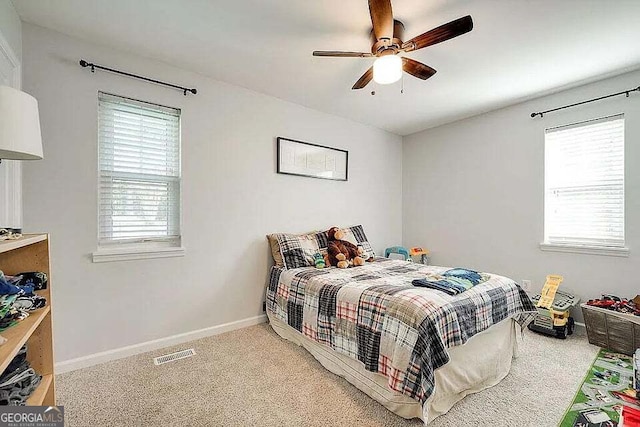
(526,284)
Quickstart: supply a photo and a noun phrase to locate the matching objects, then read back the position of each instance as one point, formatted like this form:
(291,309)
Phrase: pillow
(298,250)
(275,249)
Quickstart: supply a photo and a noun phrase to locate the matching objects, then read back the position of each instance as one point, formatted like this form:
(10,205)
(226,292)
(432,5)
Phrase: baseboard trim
(131,350)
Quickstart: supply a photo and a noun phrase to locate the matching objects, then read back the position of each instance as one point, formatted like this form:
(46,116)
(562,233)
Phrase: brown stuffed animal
(342,253)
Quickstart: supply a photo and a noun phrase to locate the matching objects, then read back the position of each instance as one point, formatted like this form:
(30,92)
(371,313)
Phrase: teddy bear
(342,253)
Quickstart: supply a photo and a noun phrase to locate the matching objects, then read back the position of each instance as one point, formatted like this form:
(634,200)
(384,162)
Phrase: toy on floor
(614,303)
(630,417)
(554,306)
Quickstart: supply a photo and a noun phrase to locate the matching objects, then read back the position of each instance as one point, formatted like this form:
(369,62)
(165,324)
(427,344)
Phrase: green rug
(607,386)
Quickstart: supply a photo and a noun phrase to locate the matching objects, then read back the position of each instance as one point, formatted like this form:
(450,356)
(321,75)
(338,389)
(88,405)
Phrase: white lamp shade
(387,69)
(20,137)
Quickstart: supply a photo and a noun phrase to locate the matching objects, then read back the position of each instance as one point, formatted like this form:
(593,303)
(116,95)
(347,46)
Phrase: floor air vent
(183,354)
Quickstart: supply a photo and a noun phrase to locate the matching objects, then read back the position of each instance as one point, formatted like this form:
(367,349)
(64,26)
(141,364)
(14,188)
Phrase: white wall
(232,196)
(473,192)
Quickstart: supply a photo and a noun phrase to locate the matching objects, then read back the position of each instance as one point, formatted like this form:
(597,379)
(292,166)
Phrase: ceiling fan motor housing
(387,47)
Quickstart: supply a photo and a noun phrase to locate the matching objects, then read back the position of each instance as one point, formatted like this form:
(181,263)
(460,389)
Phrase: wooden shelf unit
(31,253)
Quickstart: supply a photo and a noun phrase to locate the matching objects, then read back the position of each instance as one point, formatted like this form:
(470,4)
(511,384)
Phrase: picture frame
(311,160)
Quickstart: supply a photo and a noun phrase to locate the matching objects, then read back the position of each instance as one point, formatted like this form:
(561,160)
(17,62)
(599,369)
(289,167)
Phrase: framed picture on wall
(312,160)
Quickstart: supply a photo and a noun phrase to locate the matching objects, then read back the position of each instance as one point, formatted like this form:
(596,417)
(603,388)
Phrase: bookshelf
(31,253)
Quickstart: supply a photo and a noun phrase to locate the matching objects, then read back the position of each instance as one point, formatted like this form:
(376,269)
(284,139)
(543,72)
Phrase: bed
(417,351)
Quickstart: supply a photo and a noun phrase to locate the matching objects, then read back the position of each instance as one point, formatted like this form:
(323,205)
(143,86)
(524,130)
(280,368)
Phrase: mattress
(374,317)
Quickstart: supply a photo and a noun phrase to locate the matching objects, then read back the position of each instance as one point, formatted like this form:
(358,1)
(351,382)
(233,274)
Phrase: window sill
(129,254)
(590,250)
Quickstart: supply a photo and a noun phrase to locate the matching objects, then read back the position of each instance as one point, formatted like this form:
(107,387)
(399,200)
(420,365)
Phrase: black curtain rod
(85,64)
(624,92)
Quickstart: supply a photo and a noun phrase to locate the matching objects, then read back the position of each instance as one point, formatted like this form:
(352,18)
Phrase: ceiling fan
(387,44)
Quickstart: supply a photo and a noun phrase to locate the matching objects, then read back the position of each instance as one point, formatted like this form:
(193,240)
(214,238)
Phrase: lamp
(387,69)
(20,137)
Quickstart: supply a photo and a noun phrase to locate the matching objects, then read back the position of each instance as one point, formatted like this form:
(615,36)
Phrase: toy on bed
(342,253)
(319,261)
(553,306)
(408,254)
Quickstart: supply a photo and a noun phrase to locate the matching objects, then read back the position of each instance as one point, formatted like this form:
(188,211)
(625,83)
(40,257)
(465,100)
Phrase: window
(584,186)
(139,183)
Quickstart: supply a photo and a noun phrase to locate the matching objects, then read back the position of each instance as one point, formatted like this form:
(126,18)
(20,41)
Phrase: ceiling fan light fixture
(387,69)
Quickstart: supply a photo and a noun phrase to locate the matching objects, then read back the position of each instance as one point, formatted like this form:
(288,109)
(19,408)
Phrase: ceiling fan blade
(442,33)
(381,18)
(417,69)
(364,80)
(341,54)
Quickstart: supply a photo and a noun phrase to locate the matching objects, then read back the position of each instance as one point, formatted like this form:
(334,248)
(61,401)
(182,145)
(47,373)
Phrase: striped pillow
(298,250)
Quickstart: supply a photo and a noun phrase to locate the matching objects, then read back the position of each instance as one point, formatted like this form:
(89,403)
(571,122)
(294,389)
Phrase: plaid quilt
(375,315)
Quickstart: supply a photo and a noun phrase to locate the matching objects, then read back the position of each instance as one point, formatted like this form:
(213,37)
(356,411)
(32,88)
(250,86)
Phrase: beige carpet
(252,377)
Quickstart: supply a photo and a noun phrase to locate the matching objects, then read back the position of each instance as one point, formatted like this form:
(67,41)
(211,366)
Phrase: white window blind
(584,183)
(139,160)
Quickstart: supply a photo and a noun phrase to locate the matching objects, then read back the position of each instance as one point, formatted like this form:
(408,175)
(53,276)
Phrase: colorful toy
(318,259)
(554,307)
(399,250)
(407,254)
(594,417)
(424,254)
(614,303)
(630,417)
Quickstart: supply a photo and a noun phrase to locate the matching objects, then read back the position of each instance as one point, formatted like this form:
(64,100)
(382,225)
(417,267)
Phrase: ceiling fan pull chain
(402,88)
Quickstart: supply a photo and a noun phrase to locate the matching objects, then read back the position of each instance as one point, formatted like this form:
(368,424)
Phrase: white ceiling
(516,50)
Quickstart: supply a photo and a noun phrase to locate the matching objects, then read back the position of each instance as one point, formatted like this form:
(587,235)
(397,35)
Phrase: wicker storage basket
(612,330)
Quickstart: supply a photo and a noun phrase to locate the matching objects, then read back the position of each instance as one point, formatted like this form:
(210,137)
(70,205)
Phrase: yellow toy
(554,307)
(549,291)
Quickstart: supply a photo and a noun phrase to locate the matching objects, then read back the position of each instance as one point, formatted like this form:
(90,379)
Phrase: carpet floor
(252,377)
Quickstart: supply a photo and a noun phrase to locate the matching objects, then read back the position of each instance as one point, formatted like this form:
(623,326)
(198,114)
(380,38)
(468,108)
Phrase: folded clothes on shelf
(18,380)
(9,314)
(9,234)
(29,302)
(36,279)
(8,288)
(17,297)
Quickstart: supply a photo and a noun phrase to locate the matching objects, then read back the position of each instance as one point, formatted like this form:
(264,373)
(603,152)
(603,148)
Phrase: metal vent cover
(182,354)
